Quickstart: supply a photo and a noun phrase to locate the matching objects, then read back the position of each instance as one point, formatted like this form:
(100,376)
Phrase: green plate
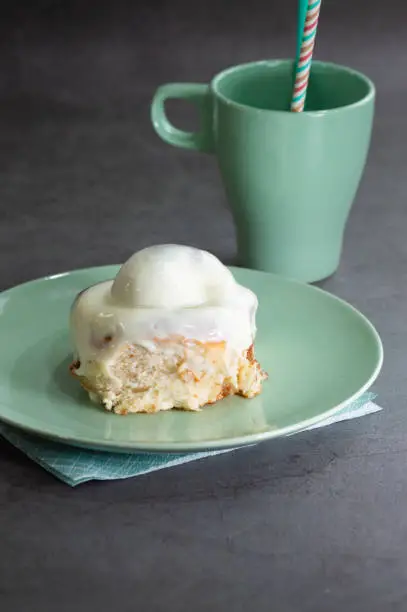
(320,354)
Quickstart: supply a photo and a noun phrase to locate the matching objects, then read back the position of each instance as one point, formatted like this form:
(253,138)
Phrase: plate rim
(203,445)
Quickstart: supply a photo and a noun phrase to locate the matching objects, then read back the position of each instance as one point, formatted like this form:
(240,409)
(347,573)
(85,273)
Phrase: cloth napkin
(75,465)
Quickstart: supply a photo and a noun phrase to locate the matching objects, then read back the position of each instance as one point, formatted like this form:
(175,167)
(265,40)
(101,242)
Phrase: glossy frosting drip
(162,292)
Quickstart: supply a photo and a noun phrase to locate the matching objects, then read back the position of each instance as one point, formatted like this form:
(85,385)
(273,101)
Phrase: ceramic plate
(320,353)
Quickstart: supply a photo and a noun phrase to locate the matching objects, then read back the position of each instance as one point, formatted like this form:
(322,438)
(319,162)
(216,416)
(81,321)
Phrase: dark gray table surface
(312,523)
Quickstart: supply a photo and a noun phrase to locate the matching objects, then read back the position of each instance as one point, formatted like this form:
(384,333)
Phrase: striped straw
(304,63)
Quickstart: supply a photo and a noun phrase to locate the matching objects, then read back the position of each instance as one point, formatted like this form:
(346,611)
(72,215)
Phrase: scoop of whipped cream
(160,292)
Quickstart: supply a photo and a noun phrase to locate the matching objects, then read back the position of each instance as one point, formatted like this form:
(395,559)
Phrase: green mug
(290,178)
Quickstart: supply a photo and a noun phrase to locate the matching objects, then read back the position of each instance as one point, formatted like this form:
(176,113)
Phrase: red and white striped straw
(304,63)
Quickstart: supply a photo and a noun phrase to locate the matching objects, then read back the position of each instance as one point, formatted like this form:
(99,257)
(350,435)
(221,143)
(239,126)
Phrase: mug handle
(199,95)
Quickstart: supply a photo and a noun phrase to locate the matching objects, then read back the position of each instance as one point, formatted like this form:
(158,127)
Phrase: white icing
(159,292)
(171,276)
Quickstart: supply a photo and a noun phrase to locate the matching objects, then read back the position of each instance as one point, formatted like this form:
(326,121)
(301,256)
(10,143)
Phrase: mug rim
(215,83)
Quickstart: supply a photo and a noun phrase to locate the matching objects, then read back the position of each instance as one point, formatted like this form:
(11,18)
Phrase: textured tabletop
(312,523)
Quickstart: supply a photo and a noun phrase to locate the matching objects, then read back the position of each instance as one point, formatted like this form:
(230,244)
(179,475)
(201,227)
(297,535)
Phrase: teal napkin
(75,465)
